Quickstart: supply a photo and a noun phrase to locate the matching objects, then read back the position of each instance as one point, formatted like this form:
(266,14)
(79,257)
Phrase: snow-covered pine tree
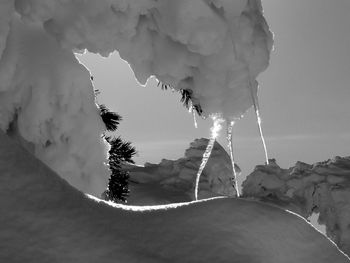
(120,152)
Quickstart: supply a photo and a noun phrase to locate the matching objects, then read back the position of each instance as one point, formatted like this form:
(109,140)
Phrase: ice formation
(185,44)
(44,219)
(259,121)
(214,134)
(230,147)
(47,95)
(322,188)
(173,181)
(194,118)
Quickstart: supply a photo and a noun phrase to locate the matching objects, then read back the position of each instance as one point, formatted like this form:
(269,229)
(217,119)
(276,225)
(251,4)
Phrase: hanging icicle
(230,147)
(254,97)
(214,133)
(194,118)
(258,118)
(222,15)
(205,159)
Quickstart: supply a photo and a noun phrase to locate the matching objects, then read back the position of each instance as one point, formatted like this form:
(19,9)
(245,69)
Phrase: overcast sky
(304,94)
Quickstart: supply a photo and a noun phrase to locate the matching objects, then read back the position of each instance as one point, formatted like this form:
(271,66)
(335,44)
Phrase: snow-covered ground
(44,219)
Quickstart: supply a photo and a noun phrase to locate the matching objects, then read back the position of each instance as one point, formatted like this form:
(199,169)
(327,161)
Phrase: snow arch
(213,48)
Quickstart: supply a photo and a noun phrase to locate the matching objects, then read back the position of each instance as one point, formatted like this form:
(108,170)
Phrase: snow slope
(44,219)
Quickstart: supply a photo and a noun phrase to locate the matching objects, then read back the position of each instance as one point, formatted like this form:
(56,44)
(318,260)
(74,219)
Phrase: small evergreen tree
(120,152)
(110,119)
(187,98)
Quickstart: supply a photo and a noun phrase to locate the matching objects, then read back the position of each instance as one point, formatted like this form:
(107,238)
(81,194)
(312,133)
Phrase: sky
(303,95)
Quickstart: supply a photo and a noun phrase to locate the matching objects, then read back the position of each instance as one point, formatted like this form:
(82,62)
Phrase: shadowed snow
(44,219)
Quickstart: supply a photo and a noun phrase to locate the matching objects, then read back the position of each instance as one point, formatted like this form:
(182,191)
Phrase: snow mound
(44,219)
(322,188)
(173,181)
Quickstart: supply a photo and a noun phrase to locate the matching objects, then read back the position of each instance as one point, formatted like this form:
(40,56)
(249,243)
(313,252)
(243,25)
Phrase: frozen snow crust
(322,188)
(44,219)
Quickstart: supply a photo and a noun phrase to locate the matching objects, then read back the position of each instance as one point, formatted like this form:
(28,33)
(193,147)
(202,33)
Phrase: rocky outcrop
(173,181)
(322,188)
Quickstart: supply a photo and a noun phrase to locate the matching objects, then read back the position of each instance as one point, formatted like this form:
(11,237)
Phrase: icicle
(192,110)
(230,147)
(258,118)
(205,159)
(214,133)
(194,118)
(254,98)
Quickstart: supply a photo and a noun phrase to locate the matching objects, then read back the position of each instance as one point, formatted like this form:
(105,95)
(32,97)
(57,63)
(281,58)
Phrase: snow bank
(213,49)
(47,100)
(322,188)
(44,219)
(172,181)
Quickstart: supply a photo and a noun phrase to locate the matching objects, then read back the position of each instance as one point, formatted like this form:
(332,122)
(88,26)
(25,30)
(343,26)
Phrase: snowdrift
(44,219)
